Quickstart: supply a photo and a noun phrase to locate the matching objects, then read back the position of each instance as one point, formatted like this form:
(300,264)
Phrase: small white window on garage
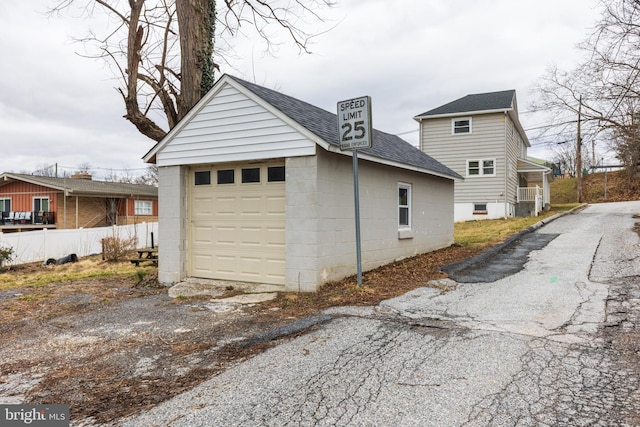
(461,126)
(143,207)
(481,167)
(404,205)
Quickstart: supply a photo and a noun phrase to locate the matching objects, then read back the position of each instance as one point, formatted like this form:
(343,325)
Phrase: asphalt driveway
(555,343)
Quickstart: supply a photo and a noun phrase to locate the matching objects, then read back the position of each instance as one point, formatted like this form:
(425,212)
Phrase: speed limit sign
(354,123)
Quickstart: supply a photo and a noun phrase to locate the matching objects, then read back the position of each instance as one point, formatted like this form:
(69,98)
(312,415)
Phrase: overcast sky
(409,55)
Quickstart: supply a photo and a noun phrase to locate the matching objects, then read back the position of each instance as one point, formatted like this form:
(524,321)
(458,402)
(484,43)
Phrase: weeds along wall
(40,245)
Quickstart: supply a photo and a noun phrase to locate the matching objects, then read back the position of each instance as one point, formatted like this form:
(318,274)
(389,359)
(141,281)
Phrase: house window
(143,207)
(479,208)
(275,174)
(41,204)
(404,205)
(461,126)
(481,167)
(226,176)
(202,178)
(5,205)
(250,175)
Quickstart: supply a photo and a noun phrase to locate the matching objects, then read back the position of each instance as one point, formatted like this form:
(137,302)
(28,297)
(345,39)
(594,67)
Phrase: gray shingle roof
(325,125)
(476,102)
(86,186)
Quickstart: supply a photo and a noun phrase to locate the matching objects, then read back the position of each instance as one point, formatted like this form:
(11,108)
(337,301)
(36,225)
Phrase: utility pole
(579,156)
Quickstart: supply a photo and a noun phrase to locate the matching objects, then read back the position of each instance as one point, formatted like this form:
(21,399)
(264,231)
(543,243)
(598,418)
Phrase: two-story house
(480,137)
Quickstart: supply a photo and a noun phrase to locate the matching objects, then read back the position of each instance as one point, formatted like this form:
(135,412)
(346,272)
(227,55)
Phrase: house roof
(86,187)
(324,125)
(479,102)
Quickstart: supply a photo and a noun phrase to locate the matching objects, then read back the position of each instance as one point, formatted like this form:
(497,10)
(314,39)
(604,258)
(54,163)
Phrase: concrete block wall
(432,215)
(301,223)
(320,232)
(172,226)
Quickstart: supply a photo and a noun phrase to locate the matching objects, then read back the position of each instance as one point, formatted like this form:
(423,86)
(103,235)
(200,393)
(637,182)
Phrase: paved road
(557,343)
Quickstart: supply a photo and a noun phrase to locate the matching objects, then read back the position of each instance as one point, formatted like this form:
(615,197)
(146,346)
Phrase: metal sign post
(355,131)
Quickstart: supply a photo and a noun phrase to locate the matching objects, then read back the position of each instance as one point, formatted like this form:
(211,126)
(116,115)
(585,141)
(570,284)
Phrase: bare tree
(45,170)
(148,177)
(608,82)
(162,51)
(564,157)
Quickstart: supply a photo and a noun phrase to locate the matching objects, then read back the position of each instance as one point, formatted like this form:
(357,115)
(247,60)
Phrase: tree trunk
(196,20)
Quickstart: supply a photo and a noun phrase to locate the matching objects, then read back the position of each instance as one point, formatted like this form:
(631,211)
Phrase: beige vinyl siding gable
(233,127)
(485,142)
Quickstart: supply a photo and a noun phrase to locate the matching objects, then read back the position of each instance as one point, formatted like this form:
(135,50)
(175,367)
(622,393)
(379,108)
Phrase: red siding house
(29,202)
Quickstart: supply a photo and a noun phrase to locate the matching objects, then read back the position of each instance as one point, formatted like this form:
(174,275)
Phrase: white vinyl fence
(41,245)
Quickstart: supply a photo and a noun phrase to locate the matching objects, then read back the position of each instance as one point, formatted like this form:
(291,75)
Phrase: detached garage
(253,187)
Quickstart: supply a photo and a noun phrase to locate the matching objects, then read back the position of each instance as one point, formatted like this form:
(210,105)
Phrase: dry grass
(485,233)
(597,187)
(41,291)
(36,275)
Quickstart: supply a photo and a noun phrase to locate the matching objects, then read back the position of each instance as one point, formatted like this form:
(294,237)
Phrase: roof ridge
(477,102)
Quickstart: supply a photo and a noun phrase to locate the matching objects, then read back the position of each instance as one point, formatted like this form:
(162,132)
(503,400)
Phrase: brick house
(29,202)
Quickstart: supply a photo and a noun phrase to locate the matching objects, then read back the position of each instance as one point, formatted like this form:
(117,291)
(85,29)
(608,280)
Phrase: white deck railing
(528,194)
(531,194)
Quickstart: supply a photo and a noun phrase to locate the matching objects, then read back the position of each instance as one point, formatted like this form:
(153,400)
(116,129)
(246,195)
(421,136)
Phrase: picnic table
(144,255)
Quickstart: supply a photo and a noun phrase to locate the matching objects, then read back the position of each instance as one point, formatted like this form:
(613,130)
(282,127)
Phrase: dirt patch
(112,347)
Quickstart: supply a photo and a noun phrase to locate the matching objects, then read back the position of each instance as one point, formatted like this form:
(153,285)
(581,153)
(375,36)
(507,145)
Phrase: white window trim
(481,167)
(138,210)
(33,203)
(453,126)
(408,206)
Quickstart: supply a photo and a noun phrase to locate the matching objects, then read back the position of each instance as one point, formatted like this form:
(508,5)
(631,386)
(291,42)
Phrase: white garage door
(237,223)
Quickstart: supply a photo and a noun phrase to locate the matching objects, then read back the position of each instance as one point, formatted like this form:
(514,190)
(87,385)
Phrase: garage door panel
(275,269)
(251,236)
(225,206)
(275,206)
(275,237)
(225,235)
(202,234)
(202,263)
(251,206)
